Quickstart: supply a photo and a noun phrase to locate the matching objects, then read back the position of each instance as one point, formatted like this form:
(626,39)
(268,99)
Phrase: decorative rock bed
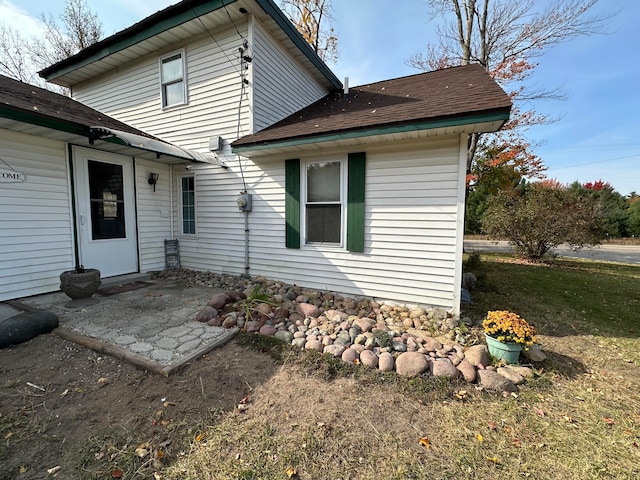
(411,341)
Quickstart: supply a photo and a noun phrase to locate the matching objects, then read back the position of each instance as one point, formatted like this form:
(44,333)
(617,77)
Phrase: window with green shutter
(325,202)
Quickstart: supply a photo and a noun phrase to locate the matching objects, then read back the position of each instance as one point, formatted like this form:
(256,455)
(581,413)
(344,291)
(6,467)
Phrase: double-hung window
(173,79)
(187,204)
(324,202)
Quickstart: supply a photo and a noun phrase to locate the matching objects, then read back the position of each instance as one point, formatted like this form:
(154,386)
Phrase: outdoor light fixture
(153,179)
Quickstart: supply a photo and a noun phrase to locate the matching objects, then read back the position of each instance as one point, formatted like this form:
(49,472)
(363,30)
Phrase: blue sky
(596,136)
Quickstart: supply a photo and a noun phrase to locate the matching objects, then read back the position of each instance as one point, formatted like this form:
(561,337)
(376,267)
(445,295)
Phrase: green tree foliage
(612,206)
(540,216)
(633,216)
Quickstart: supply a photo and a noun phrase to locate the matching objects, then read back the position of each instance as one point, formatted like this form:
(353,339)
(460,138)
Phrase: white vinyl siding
(281,85)
(132,94)
(411,210)
(36,235)
(153,212)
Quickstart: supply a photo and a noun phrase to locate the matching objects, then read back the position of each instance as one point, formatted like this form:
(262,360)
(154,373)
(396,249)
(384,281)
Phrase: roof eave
(146,29)
(496,116)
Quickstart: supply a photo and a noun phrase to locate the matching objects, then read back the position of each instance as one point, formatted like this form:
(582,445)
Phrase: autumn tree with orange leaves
(507,37)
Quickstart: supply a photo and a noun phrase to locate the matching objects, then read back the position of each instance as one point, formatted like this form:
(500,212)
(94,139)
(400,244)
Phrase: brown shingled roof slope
(22,97)
(442,94)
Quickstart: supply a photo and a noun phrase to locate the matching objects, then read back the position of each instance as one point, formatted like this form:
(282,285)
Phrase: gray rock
(507,373)
(534,353)
(368,358)
(467,370)
(494,381)
(335,350)
(206,314)
(267,330)
(525,372)
(343,338)
(299,342)
(409,364)
(314,344)
(443,368)
(253,326)
(386,362)
(283,335)
(354,332)
(399,346)
(478,355)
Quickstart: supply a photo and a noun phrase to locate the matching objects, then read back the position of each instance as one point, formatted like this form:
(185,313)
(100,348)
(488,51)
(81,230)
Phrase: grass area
(578,419)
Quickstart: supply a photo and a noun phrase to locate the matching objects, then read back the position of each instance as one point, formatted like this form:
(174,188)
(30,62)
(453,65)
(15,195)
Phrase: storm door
(105,208)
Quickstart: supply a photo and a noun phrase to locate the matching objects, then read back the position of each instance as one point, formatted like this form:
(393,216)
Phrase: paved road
(606,253)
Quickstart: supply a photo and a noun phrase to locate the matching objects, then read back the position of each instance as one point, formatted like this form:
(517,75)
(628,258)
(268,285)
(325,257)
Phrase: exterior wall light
(153,179)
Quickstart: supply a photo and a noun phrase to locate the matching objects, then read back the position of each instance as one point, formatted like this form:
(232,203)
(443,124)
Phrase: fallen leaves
(117,473)
(53,470)
(609,421)
(424,441)
(291,472)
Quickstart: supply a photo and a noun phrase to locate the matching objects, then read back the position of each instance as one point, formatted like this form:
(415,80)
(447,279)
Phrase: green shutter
(355,202)
(292,203)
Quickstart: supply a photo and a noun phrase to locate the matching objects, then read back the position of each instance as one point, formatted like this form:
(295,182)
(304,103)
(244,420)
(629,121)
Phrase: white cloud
(17,18)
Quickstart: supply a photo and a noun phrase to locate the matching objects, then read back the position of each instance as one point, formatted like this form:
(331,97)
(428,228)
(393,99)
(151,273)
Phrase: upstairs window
(172,78)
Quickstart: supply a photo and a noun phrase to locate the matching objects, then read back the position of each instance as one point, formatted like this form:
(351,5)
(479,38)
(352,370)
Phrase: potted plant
(80,282)
(507,334)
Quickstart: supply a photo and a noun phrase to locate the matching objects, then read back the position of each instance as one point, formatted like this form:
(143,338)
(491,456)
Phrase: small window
(172,77)
(188,205)
(324,203)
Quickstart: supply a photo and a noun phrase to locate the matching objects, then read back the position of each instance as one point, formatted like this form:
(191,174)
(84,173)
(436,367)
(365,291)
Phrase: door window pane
(106,192)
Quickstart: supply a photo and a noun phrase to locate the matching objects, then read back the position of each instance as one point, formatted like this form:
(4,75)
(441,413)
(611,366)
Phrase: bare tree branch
(507,37)
(313,18)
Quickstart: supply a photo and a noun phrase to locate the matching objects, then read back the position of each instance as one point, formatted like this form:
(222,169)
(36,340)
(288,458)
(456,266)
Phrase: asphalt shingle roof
(442,94)
(25,98)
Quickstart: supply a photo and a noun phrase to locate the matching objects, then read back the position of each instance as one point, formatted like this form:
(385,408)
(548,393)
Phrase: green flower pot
(509,352)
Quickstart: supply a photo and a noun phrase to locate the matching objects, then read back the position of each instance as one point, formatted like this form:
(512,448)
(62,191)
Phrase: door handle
(81,219)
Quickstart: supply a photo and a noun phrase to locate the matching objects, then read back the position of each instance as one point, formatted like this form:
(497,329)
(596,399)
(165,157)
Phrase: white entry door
(106,214)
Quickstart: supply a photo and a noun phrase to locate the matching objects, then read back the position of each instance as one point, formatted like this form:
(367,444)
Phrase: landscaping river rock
(411,341)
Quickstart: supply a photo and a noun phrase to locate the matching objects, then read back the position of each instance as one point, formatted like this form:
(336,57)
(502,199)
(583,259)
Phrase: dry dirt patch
(92,410)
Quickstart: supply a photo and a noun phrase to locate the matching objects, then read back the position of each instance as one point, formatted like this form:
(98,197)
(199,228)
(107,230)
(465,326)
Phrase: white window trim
(183,57)
(180,205)
(343,204)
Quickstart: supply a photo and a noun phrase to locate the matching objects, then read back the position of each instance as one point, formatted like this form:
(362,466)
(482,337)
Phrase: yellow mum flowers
(507,327)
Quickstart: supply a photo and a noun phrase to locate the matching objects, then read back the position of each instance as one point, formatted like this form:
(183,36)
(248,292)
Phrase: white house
(265,165)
